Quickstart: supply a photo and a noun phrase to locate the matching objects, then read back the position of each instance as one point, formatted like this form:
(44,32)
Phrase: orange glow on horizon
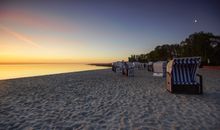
(21,41)
(6,59)
(29,70)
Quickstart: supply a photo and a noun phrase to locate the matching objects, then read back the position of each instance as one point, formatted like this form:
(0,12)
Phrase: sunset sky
(97,30)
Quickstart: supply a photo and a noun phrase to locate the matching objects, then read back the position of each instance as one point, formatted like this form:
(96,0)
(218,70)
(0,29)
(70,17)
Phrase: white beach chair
(159,68)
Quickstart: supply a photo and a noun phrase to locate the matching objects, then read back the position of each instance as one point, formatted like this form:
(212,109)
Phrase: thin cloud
(19,36)
(34,20)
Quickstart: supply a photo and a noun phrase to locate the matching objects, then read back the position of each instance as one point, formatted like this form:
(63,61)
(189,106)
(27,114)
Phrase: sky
(91,31)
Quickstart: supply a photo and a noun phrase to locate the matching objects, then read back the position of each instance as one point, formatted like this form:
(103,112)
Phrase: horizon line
(5,63)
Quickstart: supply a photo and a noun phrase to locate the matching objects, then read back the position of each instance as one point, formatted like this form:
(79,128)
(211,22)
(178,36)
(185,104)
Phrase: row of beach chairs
(181,73)
(127,68)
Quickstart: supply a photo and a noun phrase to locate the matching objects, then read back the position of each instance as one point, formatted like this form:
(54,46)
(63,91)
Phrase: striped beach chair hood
(184,69)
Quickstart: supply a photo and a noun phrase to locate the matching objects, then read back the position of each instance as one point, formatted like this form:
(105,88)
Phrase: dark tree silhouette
(201,44)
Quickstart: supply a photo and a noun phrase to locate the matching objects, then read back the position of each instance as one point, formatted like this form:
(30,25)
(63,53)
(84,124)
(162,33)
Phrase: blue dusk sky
(88,31)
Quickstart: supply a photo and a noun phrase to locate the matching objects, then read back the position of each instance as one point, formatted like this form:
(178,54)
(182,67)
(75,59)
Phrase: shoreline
(28,70)
(102,64)
(46,75)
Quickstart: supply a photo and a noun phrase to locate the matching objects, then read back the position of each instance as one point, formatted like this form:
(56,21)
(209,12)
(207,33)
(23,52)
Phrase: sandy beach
(101,99)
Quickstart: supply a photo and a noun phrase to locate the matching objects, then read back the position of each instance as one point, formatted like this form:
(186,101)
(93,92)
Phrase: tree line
(205,45)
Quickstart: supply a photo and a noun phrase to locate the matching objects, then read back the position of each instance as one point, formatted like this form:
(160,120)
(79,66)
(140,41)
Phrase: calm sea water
(9,71)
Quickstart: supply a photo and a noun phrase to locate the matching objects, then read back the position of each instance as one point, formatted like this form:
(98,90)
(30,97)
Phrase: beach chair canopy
(182,76)
(150,63)
(130,65)
(150,66)
(159,66)
(136,64)
(184,70)
(118,64)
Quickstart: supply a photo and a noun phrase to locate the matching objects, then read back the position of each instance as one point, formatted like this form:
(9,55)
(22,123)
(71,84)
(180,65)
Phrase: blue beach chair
(182,77)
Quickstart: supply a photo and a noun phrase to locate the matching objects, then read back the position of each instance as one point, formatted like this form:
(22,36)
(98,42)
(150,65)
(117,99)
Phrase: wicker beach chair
(182,77)
(135,64)
(159,68)
(117,67)
(150,66)
(128,69)
(141,66)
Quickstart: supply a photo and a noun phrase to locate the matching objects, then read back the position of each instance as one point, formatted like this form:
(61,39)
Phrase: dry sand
(104,100)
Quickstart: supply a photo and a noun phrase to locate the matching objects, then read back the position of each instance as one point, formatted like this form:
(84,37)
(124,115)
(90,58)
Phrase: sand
(102,99)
